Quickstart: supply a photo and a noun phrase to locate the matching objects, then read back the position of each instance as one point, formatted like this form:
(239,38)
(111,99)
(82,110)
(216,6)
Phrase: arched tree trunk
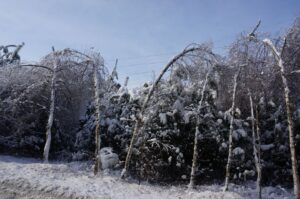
(195,153)
(231,131)
(139,122)
(289,117)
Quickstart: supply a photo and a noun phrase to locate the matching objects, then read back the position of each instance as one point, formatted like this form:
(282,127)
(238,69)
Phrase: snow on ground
(29,178)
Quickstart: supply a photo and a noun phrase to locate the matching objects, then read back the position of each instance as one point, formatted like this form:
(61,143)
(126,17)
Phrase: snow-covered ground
(29,178)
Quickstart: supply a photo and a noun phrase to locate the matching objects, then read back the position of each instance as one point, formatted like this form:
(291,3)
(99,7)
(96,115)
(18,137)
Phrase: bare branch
(37,65)
(252,34)
(295,71)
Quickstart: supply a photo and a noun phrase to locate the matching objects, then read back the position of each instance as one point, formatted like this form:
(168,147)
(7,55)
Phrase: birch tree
(232,110)
(68,58)
(51,110)
(283,74)
(195,152)
(280,64)
(98,165)
(256,146)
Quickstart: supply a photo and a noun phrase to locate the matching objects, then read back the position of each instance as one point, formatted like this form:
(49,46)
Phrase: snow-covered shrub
(23,105)
(166,147)
(25,101)
(108,158)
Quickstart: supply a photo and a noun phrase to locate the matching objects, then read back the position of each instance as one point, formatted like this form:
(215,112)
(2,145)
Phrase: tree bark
(256,147)
(195,153)
(258,181)
(51,112)
(289,117)
(98,165)
(231,131)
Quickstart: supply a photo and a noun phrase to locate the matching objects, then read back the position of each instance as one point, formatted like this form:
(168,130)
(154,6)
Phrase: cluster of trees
(205,118)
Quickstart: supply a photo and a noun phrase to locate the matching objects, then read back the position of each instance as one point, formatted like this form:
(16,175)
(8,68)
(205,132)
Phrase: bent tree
(53,72)
(61,65)
(139,120)
(280,64)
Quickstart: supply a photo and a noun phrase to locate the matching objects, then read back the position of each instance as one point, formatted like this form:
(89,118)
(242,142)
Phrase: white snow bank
(29,178)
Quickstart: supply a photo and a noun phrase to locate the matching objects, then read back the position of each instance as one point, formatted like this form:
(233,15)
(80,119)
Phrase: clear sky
(142,34)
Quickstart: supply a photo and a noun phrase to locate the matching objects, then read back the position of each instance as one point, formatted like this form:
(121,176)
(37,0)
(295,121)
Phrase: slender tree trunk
(195,158)
(256,147)
(51,112)
(289,117)
(258,155)
(98,165)
(138,124)
(230,132)
(195,154)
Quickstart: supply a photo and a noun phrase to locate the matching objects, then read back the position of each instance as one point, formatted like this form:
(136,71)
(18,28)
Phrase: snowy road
(29,178)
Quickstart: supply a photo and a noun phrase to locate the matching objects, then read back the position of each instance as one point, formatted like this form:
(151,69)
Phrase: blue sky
(142,34)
